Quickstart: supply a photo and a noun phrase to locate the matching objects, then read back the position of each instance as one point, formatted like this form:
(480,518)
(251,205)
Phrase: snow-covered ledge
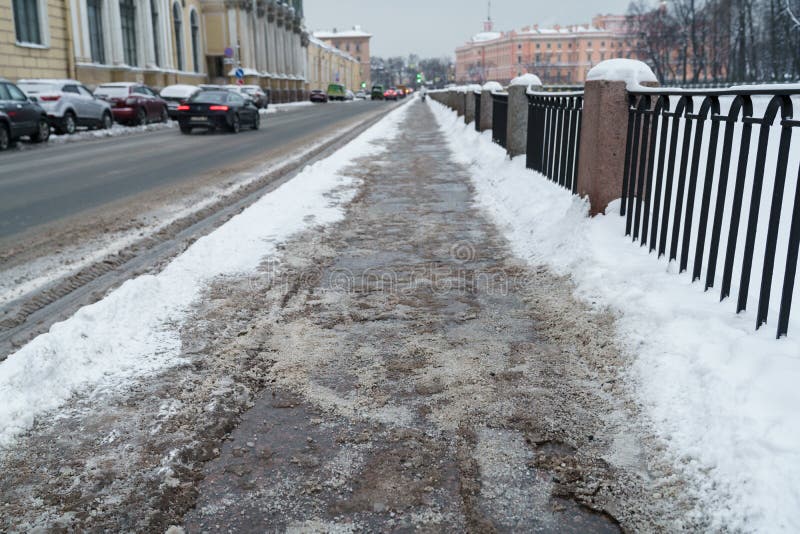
(604,128)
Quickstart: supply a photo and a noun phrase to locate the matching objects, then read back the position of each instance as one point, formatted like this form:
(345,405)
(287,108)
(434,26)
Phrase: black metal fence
(553,144)
(477,97)
(684,187)
(500,118)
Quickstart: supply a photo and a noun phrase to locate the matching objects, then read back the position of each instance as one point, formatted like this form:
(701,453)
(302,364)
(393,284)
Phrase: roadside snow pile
(723,397)
(135,329)
(275,108)
(118,130)
(632,72)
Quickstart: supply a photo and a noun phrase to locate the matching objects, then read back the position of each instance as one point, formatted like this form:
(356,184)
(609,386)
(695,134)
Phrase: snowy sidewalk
(380,360)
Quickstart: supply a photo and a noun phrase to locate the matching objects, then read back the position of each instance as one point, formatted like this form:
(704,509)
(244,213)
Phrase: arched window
(193,19)
(127,14)
(178,20)
(156,31)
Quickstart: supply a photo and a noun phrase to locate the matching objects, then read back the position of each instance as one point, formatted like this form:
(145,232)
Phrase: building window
(178,22)
(156,32)
(538,46)
(94,9)
(549,45)
(559,46)
(602,44)
(519,59)
(195,40)
(27,21)
(127,15)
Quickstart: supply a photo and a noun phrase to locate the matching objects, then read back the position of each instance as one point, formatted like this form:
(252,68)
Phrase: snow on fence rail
(723,203)
(554,123)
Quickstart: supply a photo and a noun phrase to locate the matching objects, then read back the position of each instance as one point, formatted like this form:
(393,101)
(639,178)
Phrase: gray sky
(435,27)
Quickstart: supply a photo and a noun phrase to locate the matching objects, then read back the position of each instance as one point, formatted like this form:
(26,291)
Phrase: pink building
(558,55)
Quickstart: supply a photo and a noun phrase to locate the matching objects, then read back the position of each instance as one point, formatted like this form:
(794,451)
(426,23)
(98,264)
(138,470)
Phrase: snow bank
(492,86)
(275,108)
(135,329)
(632,72)
(527,80)
(721,396)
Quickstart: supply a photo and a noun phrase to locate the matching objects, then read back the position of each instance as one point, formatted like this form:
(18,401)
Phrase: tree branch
(792,16)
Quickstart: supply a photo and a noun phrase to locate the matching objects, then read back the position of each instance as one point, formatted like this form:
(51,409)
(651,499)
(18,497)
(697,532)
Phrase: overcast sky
(435,27)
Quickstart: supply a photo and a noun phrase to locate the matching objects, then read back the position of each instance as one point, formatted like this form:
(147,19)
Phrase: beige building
(354,42)
(558,55)
(158,42)
(327,64)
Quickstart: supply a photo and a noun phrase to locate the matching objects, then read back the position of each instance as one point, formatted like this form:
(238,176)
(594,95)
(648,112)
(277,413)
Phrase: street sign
(240,81)
(239,73)
(229,61)
(229,52)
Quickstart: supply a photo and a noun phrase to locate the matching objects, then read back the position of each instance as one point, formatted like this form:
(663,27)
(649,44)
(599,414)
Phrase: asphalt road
(48,183)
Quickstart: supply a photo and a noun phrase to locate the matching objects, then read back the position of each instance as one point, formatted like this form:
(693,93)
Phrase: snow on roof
(179,90)
(486,36)
(333,49)
(50,81)
(355,32)
(526,80)
(630,71)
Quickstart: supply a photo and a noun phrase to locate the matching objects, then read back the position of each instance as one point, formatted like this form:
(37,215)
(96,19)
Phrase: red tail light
(183,108)
(218,108)
(53,98)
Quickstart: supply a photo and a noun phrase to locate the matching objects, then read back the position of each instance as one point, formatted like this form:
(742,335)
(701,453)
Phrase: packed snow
(634,73)
(527,80)
(135,329)
(492,86)
(720,395)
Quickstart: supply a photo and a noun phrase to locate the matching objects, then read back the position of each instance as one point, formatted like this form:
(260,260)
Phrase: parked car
(133,103)
(259,97)
(377,92)
(20,117)
(336,91)
(349,95)
(318,95)
(213,110)
(175,95)
(390,94)
(362,95)
(68,104)
(402,91)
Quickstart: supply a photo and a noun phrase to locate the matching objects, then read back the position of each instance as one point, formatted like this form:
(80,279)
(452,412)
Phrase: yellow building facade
(157,42)
(327,64)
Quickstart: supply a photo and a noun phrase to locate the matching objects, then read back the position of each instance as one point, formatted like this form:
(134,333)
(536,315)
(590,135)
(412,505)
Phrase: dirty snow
(135,329)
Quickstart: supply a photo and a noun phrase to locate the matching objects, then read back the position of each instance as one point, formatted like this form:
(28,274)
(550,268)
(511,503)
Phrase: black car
(318,95)
(213,110)
(20,117)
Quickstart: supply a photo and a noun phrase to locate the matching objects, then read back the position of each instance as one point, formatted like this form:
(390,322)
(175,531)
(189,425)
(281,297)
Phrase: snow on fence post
(517,134)
(604,131)
(486,105)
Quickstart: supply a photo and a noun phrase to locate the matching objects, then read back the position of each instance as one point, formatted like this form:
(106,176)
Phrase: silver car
(68,104)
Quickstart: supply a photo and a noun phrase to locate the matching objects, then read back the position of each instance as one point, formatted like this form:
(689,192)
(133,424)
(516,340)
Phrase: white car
(68,104)
(253,92)
(362,95)
(175,95)
(349,95)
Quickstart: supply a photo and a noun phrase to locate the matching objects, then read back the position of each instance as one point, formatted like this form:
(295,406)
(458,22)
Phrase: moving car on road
(20,117)
(349,95)
(377,92)
(253,92)
(390,94)
(212,110)
(68,104)
(361,95)
(336,91)
(175,95)
(133,103)
(318,95)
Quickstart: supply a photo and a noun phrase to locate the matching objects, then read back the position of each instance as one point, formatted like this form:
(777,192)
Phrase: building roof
(356,31)
(486,36)
(322,44)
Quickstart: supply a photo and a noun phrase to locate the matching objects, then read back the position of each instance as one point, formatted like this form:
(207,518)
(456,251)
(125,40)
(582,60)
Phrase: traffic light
(419,77)
(363,85)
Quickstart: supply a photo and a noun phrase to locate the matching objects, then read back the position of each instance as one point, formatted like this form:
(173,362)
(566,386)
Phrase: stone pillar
(604,132)
(469,111)
(517,134)
(460,97)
